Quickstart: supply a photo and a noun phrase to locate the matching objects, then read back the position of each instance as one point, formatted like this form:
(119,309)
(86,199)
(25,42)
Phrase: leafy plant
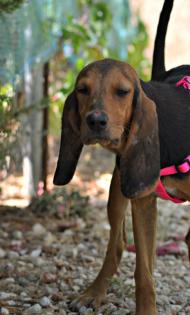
(61,204)
(86,38)
(136,51)
(8,6)
(8,123)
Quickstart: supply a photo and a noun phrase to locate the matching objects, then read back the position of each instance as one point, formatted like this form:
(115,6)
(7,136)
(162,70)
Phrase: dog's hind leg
(117,203)
(183,186)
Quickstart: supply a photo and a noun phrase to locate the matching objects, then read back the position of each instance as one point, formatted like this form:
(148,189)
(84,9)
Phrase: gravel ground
(45,260)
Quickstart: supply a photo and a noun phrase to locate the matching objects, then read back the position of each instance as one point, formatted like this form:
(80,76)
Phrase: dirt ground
(47,255)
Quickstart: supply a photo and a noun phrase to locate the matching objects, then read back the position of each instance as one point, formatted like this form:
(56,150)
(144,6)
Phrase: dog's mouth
(102,140)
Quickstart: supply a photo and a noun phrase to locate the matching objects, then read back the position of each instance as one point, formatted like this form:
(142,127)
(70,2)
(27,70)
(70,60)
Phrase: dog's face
(108,106)
(104,92)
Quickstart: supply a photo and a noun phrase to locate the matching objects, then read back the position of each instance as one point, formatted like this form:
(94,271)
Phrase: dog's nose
(97,120)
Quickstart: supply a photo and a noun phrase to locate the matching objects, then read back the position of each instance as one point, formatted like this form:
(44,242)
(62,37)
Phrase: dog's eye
(121,92)
(83,90)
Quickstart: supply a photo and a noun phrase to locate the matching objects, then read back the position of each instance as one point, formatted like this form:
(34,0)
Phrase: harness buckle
(188,162)
(178,167)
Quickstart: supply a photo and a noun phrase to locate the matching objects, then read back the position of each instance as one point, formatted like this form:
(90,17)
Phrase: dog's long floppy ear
(71,145)
(140,161)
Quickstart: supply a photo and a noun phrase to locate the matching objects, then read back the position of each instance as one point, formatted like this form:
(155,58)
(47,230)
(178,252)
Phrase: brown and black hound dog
(147,126)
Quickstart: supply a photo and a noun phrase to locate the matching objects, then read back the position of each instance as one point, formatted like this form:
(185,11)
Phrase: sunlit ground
(92,177)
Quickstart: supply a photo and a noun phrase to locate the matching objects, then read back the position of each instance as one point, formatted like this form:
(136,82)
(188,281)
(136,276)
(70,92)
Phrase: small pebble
(85,311)
(88,258)
(6,296)
(120,312)
(36,252)
(11,303)
(23,294)
(49,277)
(26,305)
(4,311)
(76,288)
(2,253)
(11,254)
(38,229)
(38,261)
(34,309)
(82,310)
(49,239)
(17,235)
(57,297)
(9,280)
(45,301)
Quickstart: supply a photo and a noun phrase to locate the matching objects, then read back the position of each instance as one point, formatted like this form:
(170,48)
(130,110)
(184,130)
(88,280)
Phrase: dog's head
(108,106)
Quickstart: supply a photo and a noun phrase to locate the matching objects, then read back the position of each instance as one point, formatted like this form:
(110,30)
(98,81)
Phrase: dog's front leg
(117,204)
(144,215)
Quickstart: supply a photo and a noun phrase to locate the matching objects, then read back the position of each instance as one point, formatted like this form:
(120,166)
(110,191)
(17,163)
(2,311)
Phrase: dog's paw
(90,298)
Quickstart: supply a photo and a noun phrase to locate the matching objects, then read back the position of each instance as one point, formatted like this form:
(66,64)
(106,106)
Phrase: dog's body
(147,126)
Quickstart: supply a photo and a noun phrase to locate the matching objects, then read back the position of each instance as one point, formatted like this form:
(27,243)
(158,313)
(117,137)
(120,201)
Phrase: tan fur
(102,93)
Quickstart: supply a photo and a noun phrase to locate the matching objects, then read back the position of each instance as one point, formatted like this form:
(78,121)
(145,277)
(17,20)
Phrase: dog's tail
(158,63)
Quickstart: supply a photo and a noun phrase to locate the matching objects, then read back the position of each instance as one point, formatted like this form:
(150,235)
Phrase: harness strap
(182,168)
(171,170)
(162,193)
(185,81)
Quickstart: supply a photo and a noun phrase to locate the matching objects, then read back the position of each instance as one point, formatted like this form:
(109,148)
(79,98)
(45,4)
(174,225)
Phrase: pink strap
(185,81)
(171,170)
(182,168)
(162,193)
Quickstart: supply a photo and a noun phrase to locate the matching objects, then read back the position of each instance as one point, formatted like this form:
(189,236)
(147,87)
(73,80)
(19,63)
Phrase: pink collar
(171,170)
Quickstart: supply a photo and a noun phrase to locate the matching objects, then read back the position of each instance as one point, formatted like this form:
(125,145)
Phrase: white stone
(4,311)
(2,253)
(35,309)
(45,301)
(12,254)
(36,252)
(17,235)
(6,296)
(38,229)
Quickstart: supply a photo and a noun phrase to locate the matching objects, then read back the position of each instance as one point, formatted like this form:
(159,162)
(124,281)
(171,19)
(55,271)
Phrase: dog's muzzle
(97,120)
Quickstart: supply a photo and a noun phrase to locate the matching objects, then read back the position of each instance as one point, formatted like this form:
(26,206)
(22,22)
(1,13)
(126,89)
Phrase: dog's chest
(172,187)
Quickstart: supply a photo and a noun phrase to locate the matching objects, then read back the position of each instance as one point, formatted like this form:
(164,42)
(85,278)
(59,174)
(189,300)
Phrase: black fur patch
(173,110)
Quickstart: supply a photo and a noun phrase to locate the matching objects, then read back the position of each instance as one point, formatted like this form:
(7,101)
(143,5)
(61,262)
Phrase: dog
(147,126)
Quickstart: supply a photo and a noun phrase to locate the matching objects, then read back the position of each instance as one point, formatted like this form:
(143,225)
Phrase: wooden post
(32,124)
(45,127)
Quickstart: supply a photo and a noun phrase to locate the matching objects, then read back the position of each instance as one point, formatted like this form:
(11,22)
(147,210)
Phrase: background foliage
(8,123)
(85,38)
(9,6)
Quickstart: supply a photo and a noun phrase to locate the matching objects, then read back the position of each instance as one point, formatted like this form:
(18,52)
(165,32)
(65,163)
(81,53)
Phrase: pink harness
(171,170)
